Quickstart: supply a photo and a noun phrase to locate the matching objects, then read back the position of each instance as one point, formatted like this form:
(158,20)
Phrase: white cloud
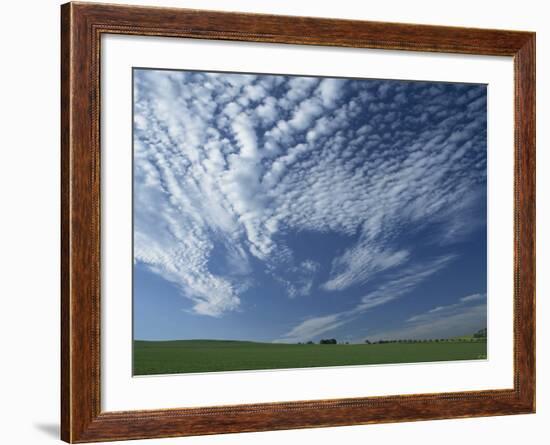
(461,318)
(473,297)
(312,328)
(305,113)
(402,284)
(361,262)
(299,280)
(246,136)
(331,90)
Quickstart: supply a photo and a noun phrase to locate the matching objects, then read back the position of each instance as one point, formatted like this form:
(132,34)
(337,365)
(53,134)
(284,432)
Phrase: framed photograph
(274,222)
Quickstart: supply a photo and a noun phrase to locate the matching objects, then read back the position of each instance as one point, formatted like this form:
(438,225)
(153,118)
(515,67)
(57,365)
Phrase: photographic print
(284,221)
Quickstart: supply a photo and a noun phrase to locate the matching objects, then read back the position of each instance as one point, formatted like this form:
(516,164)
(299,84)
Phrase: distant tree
(328,341)
(310,343)
(367,342)
(482,333)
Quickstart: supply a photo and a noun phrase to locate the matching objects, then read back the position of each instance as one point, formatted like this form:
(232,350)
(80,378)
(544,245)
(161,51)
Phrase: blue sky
(288,208)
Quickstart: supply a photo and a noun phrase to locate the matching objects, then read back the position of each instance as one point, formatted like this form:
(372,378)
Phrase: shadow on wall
(49,429)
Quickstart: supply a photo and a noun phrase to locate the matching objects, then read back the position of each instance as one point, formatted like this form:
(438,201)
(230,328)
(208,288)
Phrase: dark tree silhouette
(328,341)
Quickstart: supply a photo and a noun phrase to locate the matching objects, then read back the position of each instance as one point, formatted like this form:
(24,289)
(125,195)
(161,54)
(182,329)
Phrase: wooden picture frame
(82,25)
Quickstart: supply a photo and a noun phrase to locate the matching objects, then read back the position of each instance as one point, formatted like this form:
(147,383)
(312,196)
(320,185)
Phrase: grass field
(183,356)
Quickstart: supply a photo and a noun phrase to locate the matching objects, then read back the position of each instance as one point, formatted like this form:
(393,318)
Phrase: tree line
(426,340)
(478,336)
(323,341)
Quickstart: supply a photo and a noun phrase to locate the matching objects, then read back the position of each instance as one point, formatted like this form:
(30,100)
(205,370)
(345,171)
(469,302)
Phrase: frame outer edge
(80,233)
(81,417)
(525,60)
(66,92)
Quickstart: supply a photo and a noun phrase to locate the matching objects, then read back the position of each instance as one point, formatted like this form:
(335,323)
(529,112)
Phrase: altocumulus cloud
(228,166)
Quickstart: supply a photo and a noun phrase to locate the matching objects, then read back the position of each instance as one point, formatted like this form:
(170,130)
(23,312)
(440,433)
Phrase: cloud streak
(402,284)
(461,318)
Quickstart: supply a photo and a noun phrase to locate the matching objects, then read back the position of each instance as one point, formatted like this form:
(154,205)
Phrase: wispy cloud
(473,297)
(461,318)
(400,285)
(301,279)
(360,263)
(403,283)
(313,327)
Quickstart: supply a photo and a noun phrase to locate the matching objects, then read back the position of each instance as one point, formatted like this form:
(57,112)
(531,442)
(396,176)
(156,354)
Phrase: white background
(29,239)
(121,392)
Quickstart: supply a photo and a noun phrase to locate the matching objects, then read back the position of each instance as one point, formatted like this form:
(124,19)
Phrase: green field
(183,356)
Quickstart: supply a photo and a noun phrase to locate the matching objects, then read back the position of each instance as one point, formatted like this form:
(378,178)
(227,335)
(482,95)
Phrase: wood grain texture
(81,28)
